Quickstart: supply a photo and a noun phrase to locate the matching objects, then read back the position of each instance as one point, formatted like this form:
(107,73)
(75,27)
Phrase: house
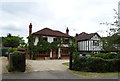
(88,42)
(50,36)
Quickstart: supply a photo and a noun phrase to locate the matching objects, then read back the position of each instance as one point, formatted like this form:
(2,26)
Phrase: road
(53,74)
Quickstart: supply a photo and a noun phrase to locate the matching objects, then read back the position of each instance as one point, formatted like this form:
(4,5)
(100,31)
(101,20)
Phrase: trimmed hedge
(107,55)
(96,64)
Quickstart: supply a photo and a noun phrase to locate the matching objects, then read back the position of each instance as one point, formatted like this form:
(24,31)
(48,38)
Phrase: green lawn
(91,74)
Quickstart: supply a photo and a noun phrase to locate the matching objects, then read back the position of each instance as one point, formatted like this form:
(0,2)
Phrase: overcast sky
(78,15)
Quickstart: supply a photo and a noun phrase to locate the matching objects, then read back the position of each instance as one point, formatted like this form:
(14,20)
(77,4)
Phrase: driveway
(46,65)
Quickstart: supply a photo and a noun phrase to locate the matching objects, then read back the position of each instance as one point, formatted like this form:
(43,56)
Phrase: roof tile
(50,32)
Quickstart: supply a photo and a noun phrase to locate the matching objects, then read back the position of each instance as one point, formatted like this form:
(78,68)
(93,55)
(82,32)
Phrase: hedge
(96,64)
(107,55)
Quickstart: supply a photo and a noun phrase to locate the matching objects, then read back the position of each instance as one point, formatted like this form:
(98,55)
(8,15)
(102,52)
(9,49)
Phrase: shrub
(11,50)
(118,55)
(96,64)
(106,55)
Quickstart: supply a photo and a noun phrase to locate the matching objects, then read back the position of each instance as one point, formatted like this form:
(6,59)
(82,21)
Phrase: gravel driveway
(45,65)
(36,65)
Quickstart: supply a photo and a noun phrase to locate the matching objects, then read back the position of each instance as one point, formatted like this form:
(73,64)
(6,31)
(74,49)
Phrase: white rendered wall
(50,40)
(36,40)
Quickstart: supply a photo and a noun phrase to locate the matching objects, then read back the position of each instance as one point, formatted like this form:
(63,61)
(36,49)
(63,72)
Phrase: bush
(118,55)
(11,50)
(106,55)
(96,64)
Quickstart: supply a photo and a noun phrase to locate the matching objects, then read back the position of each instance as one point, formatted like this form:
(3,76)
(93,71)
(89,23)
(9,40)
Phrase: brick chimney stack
(67,31)
(77,34)
(30,29)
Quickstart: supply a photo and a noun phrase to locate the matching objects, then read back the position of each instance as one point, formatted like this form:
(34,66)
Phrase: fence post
(10,62)
(70,63)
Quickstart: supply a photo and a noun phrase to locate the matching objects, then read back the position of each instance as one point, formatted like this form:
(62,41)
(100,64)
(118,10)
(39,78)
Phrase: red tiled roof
(85,36)
(50,32)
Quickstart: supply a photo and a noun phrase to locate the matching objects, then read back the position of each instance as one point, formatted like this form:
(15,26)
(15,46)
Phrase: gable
(95,37)
(85,36)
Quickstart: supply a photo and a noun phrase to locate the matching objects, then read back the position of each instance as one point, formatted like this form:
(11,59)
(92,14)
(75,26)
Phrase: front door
(54,54)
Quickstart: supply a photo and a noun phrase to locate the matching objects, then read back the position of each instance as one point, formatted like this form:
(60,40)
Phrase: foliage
(96,64)
(42,45)
(12,41)
(66,63)
(106,55)
(54,45)
(11,50)
(115,25)
(73,45)
(31,40)
(111,43)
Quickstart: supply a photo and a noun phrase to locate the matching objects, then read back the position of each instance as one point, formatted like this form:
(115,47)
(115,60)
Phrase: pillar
(59,55)
(51,54)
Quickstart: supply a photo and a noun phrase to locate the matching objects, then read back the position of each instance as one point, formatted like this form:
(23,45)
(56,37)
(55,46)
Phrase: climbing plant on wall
(31,40)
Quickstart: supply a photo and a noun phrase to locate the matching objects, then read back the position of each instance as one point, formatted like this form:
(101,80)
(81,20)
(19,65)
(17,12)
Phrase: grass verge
(66,63)
(94,74)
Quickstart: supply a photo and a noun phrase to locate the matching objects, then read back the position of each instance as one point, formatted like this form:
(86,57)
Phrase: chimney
(30,29)
(76,34)
(67,31)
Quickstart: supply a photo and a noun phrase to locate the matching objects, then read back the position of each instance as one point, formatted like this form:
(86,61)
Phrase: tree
(12,41)
(115,25)
(112,42)
(74,52)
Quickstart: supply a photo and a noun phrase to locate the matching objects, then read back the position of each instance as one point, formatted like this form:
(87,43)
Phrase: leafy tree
(31,47)
(115,25)
(73,45)
(12,41)
(112,42)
